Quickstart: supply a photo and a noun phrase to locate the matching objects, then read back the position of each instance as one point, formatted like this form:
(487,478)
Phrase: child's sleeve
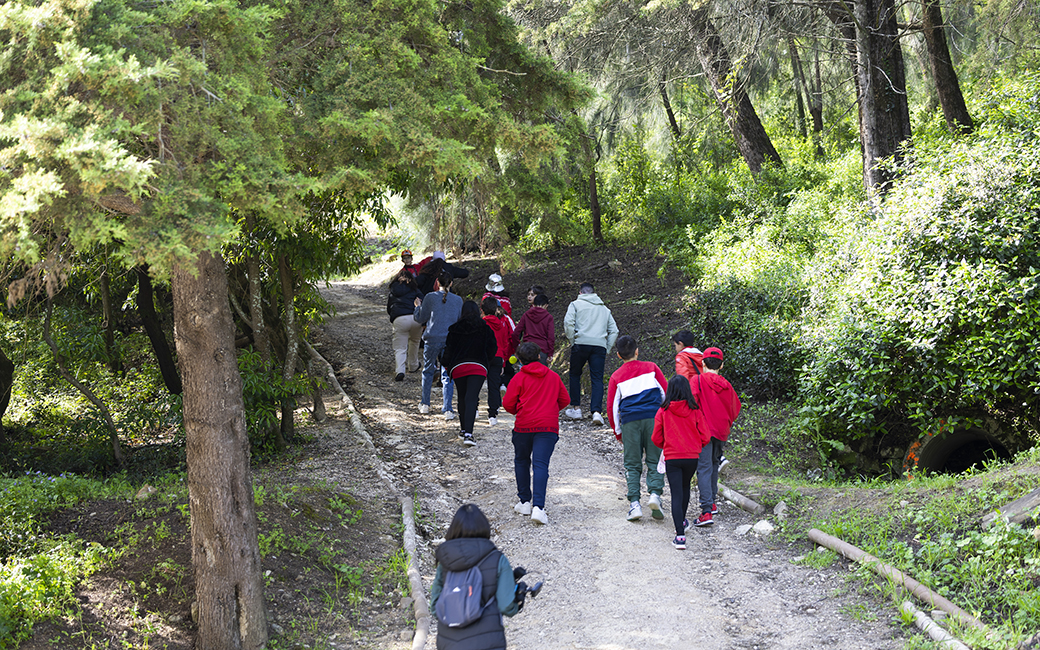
(510,401)
(563,398)
(506,592)
(435,589)
(658,435)
(734,404)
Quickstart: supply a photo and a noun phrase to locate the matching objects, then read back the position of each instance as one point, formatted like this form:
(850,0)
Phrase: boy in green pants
(634,394)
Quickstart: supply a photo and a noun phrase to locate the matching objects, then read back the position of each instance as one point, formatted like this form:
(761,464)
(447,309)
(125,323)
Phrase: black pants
(468,391)
(680,473)
(494,380)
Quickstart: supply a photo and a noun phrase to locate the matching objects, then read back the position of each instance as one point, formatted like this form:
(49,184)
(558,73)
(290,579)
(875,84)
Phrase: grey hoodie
(589,322)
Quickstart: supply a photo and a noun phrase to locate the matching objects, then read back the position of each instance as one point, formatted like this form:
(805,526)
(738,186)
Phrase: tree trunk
(111,354)
(752,140)
(59,360)
(676,133)
(872,38)
(6,382)
(225,553)
(816,104)
(153,328)
(946,84)
(292,347)
(256,300)
(799,87)
(594,209)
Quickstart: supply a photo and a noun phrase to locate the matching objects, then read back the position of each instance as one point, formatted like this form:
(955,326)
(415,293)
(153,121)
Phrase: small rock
(742,530)
(763,528)
(798,558)
(176,619)
(939,615)
(406,602)
(195,611)
(277,629)
(405,635)
(146,492)
(780,510)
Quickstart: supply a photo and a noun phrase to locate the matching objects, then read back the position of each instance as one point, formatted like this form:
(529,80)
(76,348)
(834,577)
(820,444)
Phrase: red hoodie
(503,335)
(680,431)
(535,396)
(719,402)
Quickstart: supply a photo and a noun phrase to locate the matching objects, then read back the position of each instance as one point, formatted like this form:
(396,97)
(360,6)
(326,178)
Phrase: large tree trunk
(946,84)
(6,382)
(752,140)
(798,78)
(261,338)
(225,554)
(872,37)
(153,328)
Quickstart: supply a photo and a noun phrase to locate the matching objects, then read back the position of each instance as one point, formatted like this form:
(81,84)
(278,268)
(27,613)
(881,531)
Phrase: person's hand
(418,301)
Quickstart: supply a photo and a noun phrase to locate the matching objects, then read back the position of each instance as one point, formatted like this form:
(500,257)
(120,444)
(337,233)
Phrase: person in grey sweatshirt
(591,331)
(438,310)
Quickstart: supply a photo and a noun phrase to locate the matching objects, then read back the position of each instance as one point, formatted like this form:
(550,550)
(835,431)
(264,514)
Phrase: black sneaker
(467,439)
(679,543)
(399,377)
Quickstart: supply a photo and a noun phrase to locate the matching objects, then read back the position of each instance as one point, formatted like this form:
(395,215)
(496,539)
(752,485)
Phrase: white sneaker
(597,418)
(635,511)
(424,408)
(492,421)
(523,508)
(655,501)
(573,412)
(538,516)
(502,388)
(449,415)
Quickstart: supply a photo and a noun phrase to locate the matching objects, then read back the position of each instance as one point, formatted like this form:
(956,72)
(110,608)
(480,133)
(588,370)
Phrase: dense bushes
(936,320)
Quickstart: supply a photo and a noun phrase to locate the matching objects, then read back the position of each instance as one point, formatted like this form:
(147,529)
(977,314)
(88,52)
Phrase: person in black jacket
(467,352)
(400,304)
(431,271)
(468,543)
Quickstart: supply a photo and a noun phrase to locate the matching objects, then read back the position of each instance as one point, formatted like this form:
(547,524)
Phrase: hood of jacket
(680,409)
(713,382)
(495,323)
(537,316)
(461,553)
(591,298)
(467,327)
(535,369)
(401,289)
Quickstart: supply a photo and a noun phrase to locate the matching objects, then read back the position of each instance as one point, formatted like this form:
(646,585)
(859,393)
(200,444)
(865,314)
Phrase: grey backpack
(460,601)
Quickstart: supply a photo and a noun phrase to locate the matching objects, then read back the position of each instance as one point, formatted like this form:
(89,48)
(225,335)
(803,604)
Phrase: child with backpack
(473,586)
(681,432)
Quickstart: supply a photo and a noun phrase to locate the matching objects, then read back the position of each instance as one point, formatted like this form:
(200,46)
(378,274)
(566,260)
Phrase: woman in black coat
(400,305)
(467,351)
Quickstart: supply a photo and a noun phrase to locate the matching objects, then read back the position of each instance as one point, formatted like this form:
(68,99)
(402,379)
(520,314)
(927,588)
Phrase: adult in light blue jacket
(438,310)
(591,331)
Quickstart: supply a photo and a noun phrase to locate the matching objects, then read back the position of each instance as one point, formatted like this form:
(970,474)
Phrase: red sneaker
(704,520)
(714,509)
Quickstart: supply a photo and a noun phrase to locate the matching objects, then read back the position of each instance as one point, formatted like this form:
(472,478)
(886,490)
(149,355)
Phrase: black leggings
(680,473)
(467,389)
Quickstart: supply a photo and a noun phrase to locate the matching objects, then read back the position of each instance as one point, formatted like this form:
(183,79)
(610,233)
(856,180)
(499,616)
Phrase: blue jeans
(432,350)
(708,473)
(532,449)
(596,357)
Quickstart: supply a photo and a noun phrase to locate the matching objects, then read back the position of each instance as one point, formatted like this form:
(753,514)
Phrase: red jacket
(503,301)
(690,363)
(535,396)
(680,431)
(537,326)
(719,402)
(503,335)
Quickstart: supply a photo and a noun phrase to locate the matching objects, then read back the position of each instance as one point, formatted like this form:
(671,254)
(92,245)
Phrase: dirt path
(609,583)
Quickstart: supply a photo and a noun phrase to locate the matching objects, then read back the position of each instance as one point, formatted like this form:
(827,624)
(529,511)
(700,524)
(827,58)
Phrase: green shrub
(935,324)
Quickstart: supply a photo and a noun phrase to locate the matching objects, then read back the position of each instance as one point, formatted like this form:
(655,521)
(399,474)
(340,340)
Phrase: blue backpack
(460,601)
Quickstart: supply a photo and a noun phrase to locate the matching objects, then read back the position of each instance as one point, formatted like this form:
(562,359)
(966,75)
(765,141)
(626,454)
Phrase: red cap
(713,353)
(406,252)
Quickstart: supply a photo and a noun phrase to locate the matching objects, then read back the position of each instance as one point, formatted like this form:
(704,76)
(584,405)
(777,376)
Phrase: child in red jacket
(681,432)
(535,397)
(504,340)
(721,407)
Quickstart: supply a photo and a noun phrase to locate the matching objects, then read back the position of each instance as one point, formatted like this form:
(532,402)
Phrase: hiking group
(676,428)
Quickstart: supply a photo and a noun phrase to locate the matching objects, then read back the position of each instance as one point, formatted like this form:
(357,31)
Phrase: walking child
(438,311)
(468,350)
(504,338)
(721,407)
(681,432)
(467,544)
(634,394)
(537,326)
(535,397)
(689,361)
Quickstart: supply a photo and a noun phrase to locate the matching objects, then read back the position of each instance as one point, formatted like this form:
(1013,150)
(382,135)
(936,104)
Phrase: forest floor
(331,533)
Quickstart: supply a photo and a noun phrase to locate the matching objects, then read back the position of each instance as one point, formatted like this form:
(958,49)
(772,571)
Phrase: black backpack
(460,601)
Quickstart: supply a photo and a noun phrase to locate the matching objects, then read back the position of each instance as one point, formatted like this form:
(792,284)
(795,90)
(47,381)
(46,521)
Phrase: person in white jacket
(591,331)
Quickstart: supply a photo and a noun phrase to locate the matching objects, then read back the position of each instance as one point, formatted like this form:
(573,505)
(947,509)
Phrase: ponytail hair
(679,391)
(445,279)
